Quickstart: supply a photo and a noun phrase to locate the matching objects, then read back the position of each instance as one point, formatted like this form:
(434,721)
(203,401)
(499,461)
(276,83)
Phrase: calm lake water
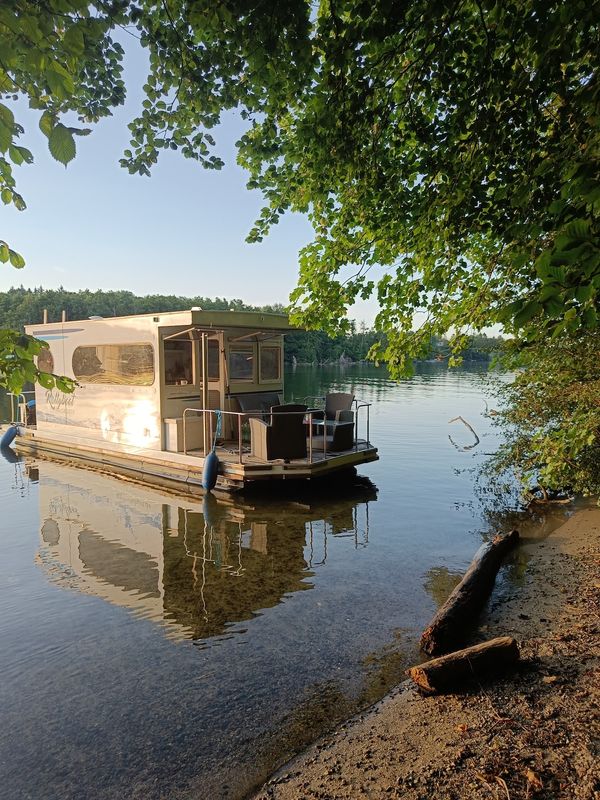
(156,646)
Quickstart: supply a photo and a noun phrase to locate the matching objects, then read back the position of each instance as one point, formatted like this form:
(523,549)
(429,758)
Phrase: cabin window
(270,363)
(45,360)
(123,364)
(179,362)
(213,360)
(241,362)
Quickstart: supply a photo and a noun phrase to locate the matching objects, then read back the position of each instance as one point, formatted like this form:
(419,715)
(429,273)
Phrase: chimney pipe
(45,317)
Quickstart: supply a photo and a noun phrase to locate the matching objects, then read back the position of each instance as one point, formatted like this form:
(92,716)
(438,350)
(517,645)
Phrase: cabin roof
(242,319)
(256,320)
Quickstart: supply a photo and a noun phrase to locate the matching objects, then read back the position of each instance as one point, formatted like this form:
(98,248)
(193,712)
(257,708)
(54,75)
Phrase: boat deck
(162,468)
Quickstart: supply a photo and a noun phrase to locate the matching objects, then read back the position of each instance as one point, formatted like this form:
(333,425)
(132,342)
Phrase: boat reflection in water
(197,566)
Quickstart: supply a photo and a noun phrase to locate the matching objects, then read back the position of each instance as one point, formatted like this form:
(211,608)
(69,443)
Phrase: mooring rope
(218,427)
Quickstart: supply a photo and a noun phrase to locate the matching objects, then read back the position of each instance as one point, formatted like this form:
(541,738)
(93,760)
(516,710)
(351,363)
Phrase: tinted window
(241,363)
(270,361)
(179,362)
(213,360)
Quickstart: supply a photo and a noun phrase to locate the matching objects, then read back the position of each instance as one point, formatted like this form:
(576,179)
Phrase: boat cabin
(166,388)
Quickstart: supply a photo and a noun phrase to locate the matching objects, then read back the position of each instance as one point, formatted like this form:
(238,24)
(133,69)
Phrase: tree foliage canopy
(61,57)
(453,145)
(19,307)
(551,417)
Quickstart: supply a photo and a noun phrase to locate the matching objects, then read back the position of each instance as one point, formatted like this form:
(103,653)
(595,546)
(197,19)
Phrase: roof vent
(195,308)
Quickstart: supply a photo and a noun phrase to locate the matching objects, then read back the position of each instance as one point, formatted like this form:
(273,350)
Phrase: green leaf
(578,229)
(74,40)
(542,263)
(66,385)
(590,318)
(16,259)
(6,136)
(584,293)
(6,116)
(6,195)
(529,310)
(46,380)
(15,155)
(46,124)
(548,291)
(60,82)
(26,154)
(62,144)
(554,307)
(4,252)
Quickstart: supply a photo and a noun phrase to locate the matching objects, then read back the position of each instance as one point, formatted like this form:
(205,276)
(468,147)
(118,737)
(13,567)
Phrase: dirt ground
(533,734)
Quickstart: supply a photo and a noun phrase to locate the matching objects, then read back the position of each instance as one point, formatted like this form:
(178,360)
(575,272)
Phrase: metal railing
(357,405)
(312,417)
(18,406)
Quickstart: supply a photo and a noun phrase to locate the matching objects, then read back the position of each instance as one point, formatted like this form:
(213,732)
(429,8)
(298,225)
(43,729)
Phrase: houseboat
(157,394)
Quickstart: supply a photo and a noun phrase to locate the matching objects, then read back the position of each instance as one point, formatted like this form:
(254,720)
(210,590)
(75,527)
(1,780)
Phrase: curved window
(45,360)
(123,364)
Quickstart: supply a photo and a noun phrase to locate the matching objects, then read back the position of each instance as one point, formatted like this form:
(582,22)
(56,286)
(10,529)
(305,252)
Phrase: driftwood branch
(449,626)
(547,497)
(450,671)
(489,412)
(470,427)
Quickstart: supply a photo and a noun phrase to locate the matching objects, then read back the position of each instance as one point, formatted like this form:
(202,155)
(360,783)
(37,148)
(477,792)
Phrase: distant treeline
(20,307)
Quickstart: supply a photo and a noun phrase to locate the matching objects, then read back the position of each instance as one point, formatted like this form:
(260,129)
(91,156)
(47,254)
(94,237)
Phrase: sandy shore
(533,734)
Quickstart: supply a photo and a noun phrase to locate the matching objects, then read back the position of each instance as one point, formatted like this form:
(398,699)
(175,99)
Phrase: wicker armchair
(338,407)
(338,419)
(284,436)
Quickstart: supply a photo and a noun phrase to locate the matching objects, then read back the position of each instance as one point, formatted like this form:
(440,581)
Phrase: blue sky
(181,231)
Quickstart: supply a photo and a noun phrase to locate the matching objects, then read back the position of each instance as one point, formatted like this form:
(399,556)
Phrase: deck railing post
(204,346)
(308,419)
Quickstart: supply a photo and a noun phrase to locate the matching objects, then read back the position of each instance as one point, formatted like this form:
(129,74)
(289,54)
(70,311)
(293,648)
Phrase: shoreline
(532,733)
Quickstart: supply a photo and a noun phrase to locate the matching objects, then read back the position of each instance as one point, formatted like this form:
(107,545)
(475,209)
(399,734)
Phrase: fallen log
(450,671)
(449,626)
